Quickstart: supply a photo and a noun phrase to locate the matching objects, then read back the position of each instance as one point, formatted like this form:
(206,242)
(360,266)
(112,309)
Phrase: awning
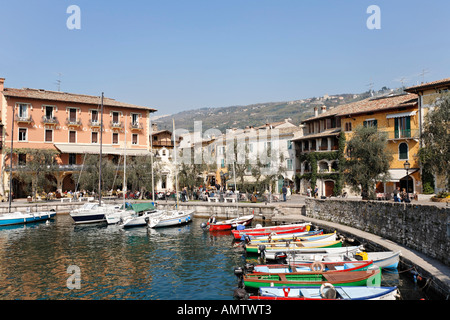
(401,115)
(399,174)
(95,149)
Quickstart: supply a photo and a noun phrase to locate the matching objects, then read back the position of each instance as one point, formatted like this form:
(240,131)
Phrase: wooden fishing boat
(311,254)
(370,277)
(382,259)
(308,235)
(320,293)
(265,231)
(274,247)
(229,224)
(284,241)
(341,266)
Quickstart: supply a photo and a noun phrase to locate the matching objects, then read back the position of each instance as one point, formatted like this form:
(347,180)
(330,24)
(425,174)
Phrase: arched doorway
(410,183)
(68,184)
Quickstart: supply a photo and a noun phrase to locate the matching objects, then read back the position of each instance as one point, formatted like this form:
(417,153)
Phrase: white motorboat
(92,212)
(141,219)
(171,218)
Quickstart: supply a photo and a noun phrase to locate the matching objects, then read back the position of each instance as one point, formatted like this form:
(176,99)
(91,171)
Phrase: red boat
(229,224)
(265,231)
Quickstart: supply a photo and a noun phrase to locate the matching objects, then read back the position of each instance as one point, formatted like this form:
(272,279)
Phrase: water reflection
(172,263)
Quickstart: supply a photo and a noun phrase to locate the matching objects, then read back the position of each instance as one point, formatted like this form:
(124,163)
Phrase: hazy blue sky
(178,55)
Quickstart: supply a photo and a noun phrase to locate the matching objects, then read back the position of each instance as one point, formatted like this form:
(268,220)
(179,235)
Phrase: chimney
(323,109)
(2,84)
(316,111)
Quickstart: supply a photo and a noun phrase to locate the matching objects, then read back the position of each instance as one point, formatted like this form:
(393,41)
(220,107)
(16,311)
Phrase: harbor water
(62,261)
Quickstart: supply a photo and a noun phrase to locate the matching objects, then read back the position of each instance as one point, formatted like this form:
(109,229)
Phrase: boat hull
(370,277)
(25,218)
(284,229)
(174,220)
(255,249)
(343,293)
(308,267)
(230,224)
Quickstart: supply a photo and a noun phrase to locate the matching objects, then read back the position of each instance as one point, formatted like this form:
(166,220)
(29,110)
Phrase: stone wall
(420,227)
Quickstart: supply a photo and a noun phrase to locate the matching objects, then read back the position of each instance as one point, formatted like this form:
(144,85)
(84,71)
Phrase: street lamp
(407,166)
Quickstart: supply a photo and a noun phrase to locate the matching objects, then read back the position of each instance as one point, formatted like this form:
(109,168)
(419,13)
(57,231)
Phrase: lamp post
(407,166)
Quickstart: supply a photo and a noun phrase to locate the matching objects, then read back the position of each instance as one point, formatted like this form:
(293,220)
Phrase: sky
(178,55)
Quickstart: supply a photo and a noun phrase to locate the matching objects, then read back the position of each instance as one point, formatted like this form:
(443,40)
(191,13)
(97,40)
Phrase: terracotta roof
(67,97)
(370,105)
(437,83)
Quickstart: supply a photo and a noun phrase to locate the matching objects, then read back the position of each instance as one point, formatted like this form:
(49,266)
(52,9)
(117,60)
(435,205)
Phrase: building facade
(318,150)
(68,124)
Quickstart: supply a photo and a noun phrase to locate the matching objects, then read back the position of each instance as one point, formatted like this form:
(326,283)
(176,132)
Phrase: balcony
(136,126)
(94,123)
(412,134)
(162,143)
(23,119)
(73,122)
(52,121)
(116,125)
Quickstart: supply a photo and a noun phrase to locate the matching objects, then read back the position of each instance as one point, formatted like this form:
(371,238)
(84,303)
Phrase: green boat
(286,247)
(370,278)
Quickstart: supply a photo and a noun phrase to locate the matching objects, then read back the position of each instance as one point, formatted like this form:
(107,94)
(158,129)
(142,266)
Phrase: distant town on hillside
(260,113)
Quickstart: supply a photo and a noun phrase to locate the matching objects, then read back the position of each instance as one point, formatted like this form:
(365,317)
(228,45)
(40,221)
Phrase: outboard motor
(246,238)
(240,227)
(239,272)
(262,250)
(203,225)
(240,294)
(281,257)
(249,267)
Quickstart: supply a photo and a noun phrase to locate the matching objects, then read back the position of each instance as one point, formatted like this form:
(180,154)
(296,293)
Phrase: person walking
(397,195)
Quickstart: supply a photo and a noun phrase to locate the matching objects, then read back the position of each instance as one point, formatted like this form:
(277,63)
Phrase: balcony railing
(136,126)
(402,134)
(23,119)
(50,120)
(73,122)
(94,123)
(116,125)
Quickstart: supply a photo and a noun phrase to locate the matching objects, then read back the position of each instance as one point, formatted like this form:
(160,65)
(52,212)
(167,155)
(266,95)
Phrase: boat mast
(151,157)
(100,160)
(11,160)
(175,157)
(124,187)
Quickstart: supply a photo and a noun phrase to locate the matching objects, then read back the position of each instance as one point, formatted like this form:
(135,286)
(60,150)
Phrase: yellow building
(428,93)
(396,115)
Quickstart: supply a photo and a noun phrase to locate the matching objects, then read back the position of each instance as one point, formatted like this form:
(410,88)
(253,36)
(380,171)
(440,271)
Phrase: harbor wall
(424,228)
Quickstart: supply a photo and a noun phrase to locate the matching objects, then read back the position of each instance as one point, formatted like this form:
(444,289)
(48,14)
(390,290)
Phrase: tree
(368,160)
(87,179)
(38,170)
(435,152)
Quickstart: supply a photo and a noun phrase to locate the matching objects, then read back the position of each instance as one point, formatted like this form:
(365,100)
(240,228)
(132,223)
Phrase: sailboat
(172,217)
(15,218)
(95,212)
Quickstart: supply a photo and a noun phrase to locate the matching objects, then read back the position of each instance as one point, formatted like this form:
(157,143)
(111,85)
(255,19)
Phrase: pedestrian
(308,192)
(284,193)
(316,192)
(397,195)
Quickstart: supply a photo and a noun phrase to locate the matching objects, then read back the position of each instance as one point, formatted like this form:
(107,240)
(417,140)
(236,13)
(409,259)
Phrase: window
(115,117)
(289,144)
(72,159)
(348,126)
(403,127)
(135,119)
(72,115)
(22,134)
(222,163)
(371,123)
(94,137)
(403,151)
(49,112)
(94,116)
(23,111)
(48,135)
(289,164)
(72,137)
(134,139)
(115,138)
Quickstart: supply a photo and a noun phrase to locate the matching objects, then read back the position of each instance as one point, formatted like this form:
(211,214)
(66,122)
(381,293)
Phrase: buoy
(327,291)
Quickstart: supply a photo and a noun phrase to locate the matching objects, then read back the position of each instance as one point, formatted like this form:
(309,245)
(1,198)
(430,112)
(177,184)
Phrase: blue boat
(18,217)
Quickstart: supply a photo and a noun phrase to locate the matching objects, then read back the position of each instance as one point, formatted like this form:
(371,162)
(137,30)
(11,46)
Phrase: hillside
(257,114)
